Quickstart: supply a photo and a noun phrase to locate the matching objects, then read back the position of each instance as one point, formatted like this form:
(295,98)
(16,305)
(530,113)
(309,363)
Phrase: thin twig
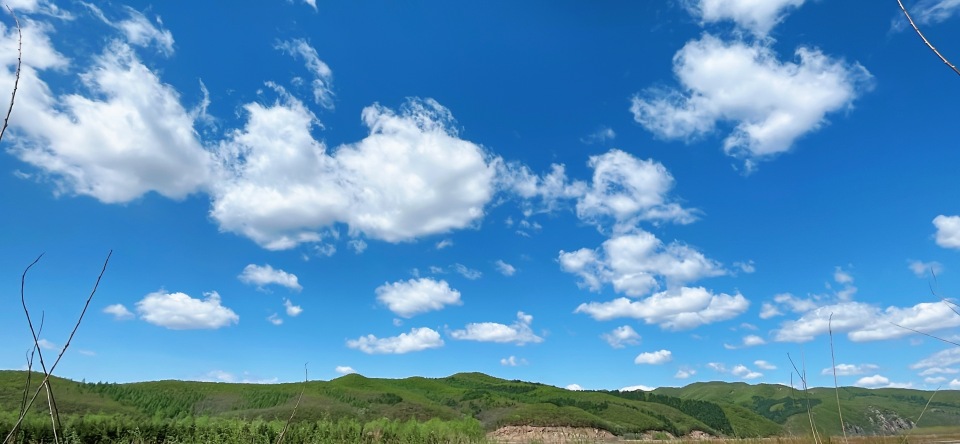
(836,386)
(51,400)
(46,377)
(929,45)
(16,80)
(806,395)
(926,334)
(294,412)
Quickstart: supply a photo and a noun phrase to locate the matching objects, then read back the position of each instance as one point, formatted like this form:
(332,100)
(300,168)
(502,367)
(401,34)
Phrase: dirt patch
(550,435)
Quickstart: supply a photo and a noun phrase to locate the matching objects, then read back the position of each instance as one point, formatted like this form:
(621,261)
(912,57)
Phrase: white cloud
(684,373)
(873,381)
(119,311)
(752,340)
(467,272)
(138,30)
(768,310)
(633,262)
(513,361)
(935,11)
(574,387)
(292,310)
(417,340)
(312,3)
(717,367)
(223,376)
(263,275)
(746,267)
(770,103)
(324,250)
(743,372)
(410,177)
(764,365)
(129,136)
(758,17)
(275,319)
(850,369)
(415,296)
(622,336)
(629,190)
(358,245)
(444,244)
(925,269)
(179,311)
(634,388)
(940,360)
(654,358)
(47,345)
(344,369)
(601,135)
(955,384)
(864,322)
(935,380)
(519,332)
(842,276)
(948,231)
(939,371)
(674,310)
(505,268)
(322,83)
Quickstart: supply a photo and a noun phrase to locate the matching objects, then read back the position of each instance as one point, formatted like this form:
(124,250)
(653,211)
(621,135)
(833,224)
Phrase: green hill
(865,411)
(480,402)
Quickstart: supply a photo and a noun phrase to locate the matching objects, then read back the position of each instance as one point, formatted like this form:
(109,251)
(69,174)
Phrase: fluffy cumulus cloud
(865,322)
(629,190)
(764,365)
(877,381)
(344,370)
(125,136)
(415,296)
(410,177)
(633,388)
(574,387)
(634,264)
(322,83)
(769,103)
(679,309)
(263,275)
(654,358)
(948,231)
(417,339)
(292,310)
(179,311)
(518,333)
(119,311)
(744,372)
(758,17)
(622,336)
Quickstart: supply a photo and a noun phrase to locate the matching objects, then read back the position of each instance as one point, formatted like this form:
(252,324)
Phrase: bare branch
(294,412)
(16,80)
(836,386)
(929,45)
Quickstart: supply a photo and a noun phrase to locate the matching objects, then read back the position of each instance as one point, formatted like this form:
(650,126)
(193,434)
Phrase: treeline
(707,412)
(114,429)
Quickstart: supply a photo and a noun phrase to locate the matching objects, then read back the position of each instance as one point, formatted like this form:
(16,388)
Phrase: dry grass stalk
(806,394)
(929,45)
(836,386)
(45,384)
(297,405)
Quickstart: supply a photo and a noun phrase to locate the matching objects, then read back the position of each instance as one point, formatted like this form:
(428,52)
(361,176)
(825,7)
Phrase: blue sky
(632,194)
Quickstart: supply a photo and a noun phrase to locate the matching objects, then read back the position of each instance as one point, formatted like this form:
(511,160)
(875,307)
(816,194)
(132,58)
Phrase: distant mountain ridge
(717,408)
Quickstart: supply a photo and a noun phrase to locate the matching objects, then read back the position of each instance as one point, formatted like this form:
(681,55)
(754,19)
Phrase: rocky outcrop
(887,422)
(550,435)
